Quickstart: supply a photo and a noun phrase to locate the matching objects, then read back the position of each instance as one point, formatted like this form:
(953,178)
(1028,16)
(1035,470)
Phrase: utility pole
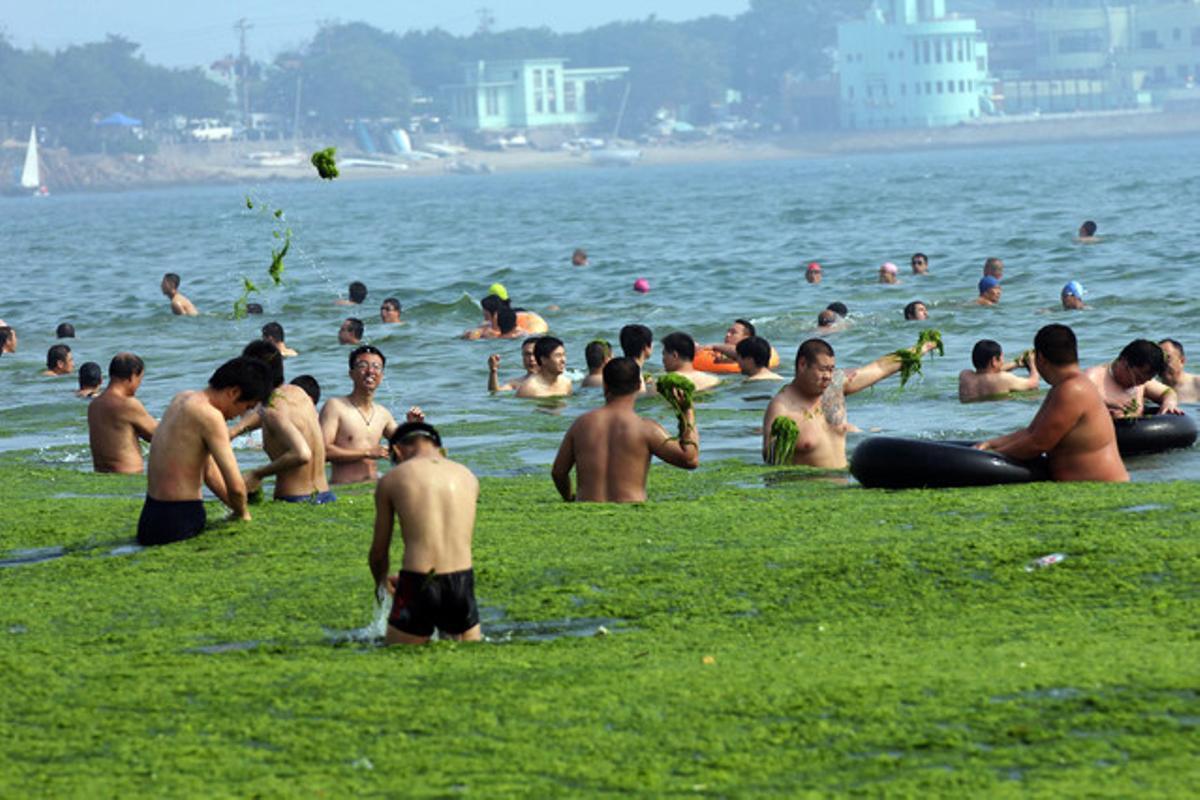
(241,26)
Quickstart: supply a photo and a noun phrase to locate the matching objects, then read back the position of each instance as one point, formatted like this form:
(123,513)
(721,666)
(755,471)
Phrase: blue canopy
(120,119)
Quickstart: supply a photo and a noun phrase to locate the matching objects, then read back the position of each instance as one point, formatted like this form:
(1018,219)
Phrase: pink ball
(641,285)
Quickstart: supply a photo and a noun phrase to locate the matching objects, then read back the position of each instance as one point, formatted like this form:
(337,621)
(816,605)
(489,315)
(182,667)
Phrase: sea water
(715,241)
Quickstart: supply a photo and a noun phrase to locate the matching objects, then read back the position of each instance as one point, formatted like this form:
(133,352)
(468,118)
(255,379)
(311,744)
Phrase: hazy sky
(185,33)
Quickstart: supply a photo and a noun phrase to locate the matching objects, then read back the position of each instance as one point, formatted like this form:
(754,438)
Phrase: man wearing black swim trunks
(434,500)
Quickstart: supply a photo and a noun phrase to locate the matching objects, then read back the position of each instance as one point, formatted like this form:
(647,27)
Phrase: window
(937,50)
(850,92)
(492,100)
(1177,34)
(928,87)
(940,87)
(891,56)
(1183,72)
(1086,41)
(925,51)
(539,98)
(569,104)
(962,56)
(962,86)
(950,87)
(869,93)
(903,89)
(917,87)
(1196,35)
(917,46)
(551,92)
(1149,40)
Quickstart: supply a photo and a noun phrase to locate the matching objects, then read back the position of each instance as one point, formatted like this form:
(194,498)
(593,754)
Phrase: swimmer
(1126,384)
(994,268)
(89,380)
(813,273)
(117,419)
(527,360)
(65,330)
(548,380)
(989,291)
(888,273)
(1072,427)
(829,320)
(491,306)
(637,342)
(610,447)
(816,401)
(273,332)
(920,264)
(191,448)
(1072,296)
(579,258)
(839,309)
(434,500)
(59,361)
(1186,385)
(1087,233)
(310,386)
(916,310)
(357,292)
(727,350)
(180,305)
(678,355)
(992,377)
(597,353)
(8,339)
(389,312)
(351,331)
(754,359)
(254,308)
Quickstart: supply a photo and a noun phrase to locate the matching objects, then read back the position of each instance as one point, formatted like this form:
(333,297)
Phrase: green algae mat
(749,632)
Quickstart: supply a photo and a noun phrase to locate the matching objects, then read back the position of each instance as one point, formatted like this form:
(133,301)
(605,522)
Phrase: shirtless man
(637,342)
(679,351)
(1072,427)
(354,424)
(1126,384)
(727,349)
(351,331)
(180,305)
(597,353)
(916,310)
(919,263)
(549,380)
(812,273)
(994,268)
(1087,233)
(818,404)
(117,419)
(989,291)
(992,377)
(754,359)
(273,332)
(389,312)
(610,447)
(59,361)
(579,258)
(90,379)
(889,273)
(292,437)
(1186,385)
(434,500)
(527,361)
(191,447)
(357,292)
(1072,296)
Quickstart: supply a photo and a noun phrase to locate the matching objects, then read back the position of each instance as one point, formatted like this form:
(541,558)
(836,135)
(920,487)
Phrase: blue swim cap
(1074,288)
(987,282)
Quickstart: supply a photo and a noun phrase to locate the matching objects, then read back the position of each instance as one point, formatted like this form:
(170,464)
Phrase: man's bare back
(292,431)
(973,386)
(191,430)
(116,421)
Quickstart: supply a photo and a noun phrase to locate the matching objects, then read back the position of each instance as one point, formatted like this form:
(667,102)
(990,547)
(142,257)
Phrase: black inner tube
(1154,433)
(887,462)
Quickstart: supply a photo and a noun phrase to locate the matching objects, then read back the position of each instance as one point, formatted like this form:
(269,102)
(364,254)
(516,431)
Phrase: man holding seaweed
(816,401)
(610,447)
(1127,383)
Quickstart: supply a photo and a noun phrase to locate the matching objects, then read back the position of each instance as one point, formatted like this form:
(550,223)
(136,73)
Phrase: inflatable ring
(1154,434)
(709,360)
(530,322)
(885,462)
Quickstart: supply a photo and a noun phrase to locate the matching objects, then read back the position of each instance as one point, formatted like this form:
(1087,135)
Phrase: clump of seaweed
(239,305)
(784,433)
(277,256)
(679,392)
(325,163)
(910,357)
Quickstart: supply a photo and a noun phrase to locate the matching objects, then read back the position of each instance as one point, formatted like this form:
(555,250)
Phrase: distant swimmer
(496,311)
(354,425)
(888,273)
(548,380)
(1186,385)
(254,308)
(726,351)
(916,310)
(180,305)
(812,273)
(816,401)
(597,353)
(527,361)
(191,448)
(579,258)
(839,309)
(89,380)
(117,419)
(292,436)
(434,500)
(637,342)
(65,330)
(754,359)
(1072,296)
(59,361)
(389,311)
(273,332)
(920,264)
(357,293)
(8,339)
(832,318)
(351,331)
(994,268)
(610,447)
(992,378)
(310,386)
(1127,383)
(1087,233)
(678,357)
(989,291)
(1072,427)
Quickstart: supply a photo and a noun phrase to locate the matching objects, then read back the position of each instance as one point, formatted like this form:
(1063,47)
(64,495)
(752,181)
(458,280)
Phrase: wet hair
(1056,343)
(269,354)
(124,366)
(1143,353)
(530,342)
(826,318)
(1088,228)
(579,251)
(838,308)
(635,339)
(984,351)
(506,319)
(990,265)
(5,335)
(910,310)
(492,303)
(171,279)
(811,348)
(254,308)
(410,430)
(681,344)
(356,326)
(921,256)
(622,376)
(57,353)
(65,330)
(757,349)
(391,302)
(357,291)
(310,386)
(545,346)
(251,376)
(363,350)
(596,353)
(748,325)
(273,331)
(89,375)
(1174,344)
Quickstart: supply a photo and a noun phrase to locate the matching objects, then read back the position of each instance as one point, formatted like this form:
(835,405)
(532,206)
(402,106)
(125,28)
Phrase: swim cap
(888,267)
(813,267)
(1074,288)
(498,290)
(987,282)
(641,285)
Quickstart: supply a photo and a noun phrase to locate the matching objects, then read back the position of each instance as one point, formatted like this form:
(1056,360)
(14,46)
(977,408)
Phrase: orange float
(709,360)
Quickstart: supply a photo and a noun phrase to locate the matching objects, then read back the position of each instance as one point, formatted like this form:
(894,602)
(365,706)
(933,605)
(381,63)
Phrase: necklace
(365,417)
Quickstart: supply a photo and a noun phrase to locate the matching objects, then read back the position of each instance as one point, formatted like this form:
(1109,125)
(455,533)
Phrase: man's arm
(877,370)
(382,541)
(296,451)
(216,440)
(494,373)
(683,451)
(773,411)
(1166,397)
(563,462)
(250,421)
(390,424)
(1054,420)
(143,424)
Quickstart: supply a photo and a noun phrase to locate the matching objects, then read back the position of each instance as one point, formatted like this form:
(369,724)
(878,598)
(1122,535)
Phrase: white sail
(30,179)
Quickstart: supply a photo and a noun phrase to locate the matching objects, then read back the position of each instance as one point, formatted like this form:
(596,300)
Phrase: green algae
(910,357)
(784,433)
(325,162)
(680,394)
(801,639)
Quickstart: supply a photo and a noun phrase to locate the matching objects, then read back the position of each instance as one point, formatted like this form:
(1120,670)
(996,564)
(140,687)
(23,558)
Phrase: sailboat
(30,174)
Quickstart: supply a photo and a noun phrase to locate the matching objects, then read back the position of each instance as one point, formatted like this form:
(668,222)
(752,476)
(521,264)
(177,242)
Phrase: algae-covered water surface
(738,635)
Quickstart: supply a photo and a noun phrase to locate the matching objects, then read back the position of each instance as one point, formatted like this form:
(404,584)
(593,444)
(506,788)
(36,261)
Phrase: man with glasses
(1127,383)
(354,425)
(920,264)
